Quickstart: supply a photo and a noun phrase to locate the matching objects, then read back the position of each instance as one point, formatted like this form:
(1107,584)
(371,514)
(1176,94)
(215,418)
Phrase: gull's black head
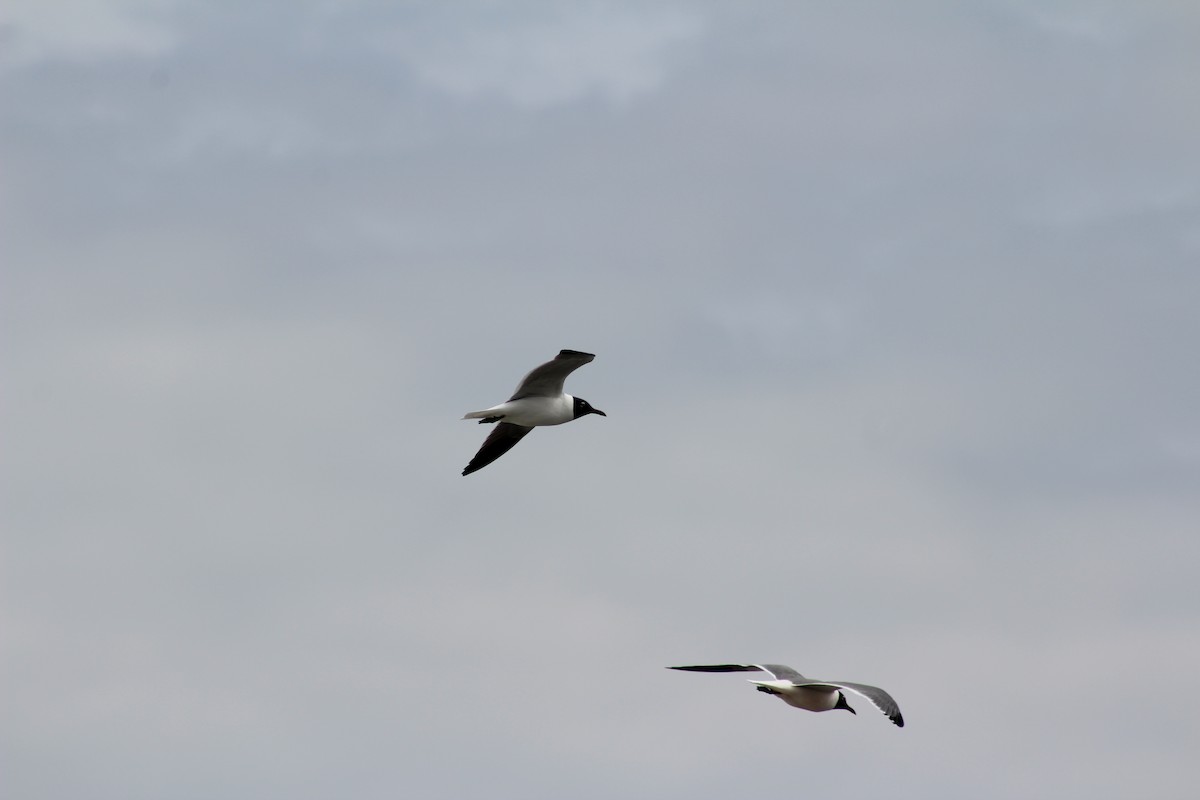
(841,703)
(583,408)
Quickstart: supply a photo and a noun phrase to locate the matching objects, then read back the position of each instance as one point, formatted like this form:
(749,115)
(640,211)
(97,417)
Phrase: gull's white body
(531,412)
(805,697)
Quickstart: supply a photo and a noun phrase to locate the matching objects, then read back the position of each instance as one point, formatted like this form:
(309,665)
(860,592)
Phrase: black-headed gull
(539,400)
(812,695)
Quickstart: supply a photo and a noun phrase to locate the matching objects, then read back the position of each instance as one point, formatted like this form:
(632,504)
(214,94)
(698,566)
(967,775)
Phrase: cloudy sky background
(895,315)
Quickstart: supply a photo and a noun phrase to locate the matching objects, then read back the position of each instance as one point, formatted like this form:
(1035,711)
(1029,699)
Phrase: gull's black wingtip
(575,354)
(898,720)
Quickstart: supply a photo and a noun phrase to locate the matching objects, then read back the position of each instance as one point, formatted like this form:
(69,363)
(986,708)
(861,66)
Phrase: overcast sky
(896,310)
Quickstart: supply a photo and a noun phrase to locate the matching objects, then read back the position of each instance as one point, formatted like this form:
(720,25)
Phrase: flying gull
(539,400)
(812,695)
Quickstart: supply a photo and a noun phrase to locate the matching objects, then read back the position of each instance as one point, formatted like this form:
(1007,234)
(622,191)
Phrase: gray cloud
(536,55)
(86,29)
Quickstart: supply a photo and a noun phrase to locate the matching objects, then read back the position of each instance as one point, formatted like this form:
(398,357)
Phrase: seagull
(812,695)
(539,400)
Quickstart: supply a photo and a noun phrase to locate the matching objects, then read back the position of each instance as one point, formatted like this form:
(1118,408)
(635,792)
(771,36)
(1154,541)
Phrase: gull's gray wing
(782,672)
(777,671)
(878,697)
(502,439)
(547,380)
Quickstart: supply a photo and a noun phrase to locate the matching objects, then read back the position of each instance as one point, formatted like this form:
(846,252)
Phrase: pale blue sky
(895,315)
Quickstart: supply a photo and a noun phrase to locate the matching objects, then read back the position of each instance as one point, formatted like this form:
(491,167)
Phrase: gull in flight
(539,400)
(812,695)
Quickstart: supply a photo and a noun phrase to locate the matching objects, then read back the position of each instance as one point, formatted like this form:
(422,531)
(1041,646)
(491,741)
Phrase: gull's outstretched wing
(777,671)
(547,380)
(782,672)
(499,441)
(878,697)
